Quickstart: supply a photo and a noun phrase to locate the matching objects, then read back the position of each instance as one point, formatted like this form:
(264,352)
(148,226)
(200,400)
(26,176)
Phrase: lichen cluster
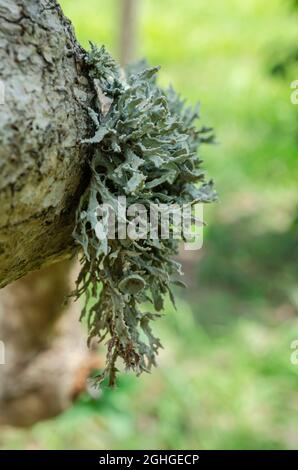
(145,147)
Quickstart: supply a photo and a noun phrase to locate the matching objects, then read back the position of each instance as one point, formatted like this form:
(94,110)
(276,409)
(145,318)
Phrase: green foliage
(145,148)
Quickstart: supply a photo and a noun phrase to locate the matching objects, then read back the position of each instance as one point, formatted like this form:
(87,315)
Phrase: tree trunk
(46,361)
(43,171)
(42,120)
(128,31)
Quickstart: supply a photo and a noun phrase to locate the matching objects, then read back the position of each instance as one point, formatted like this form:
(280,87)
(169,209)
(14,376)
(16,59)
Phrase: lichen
(145,147)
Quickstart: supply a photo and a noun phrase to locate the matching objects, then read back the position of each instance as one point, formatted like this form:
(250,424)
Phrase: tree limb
(42,120)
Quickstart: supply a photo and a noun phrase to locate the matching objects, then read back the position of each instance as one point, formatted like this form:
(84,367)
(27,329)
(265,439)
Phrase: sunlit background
(225,379)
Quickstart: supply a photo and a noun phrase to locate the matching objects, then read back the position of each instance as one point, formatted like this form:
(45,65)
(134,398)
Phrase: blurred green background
(225,379)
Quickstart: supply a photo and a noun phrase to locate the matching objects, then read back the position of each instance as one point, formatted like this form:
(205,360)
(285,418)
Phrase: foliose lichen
(145,147)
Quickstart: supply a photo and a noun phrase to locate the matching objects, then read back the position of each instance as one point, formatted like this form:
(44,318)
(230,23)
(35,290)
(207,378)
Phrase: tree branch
(42,120)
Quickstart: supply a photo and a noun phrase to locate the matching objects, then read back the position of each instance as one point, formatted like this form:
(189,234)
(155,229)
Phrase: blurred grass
(232,391)
(225,378)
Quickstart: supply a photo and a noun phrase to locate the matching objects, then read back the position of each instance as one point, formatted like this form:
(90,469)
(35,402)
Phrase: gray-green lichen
(145,148)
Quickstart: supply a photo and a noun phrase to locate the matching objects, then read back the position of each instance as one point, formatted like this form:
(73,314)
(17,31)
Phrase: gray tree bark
(41,123)
(43,171)
(47,361)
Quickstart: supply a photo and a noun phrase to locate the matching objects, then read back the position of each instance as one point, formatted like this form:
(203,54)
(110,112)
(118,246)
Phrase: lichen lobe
(145,146)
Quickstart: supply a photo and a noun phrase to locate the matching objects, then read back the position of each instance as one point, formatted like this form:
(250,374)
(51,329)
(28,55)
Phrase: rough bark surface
(43,171)
(42,121)
(46,358)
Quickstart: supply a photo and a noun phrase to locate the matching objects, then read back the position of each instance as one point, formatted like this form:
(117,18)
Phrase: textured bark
(46,357)
(42,174)
(42,121)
